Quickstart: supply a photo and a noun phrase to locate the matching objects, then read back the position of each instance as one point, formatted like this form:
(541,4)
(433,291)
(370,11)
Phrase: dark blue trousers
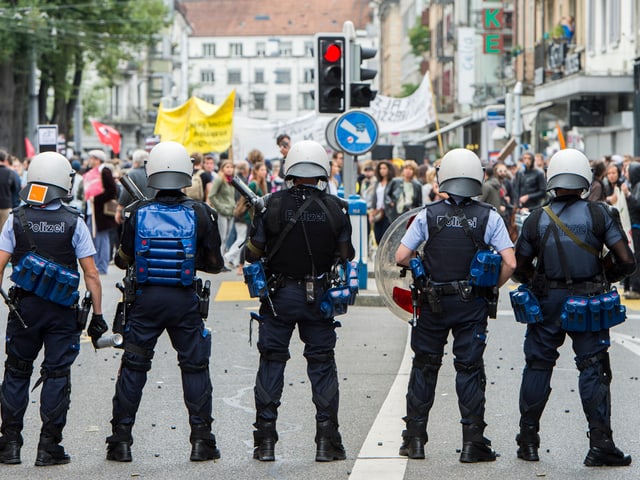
(155,310)
(541,352)
(319,337)
(54,327)
(467,321)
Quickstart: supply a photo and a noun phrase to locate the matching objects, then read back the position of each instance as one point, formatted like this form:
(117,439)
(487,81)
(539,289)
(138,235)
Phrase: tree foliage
(420,38)
(63,37)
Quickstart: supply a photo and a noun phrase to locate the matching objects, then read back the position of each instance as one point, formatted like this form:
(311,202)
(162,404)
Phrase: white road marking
(378,457)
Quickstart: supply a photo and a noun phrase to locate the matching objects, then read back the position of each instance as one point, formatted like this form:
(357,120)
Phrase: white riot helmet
(307,159)
(570,169)
(169,166)
(49,176)
(461,173)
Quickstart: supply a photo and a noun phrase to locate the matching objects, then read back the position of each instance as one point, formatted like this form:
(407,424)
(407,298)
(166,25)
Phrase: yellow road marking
(232,292)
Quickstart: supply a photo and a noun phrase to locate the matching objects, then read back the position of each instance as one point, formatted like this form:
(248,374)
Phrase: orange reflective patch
(37,193)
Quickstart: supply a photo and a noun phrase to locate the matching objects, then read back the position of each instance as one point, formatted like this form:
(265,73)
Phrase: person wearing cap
(45,232)
(100,194)
(453,231)
(559,260)
(165,241)
(298,257)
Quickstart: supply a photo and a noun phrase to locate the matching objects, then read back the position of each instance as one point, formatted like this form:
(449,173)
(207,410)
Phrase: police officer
(453,229)
(41,237)
(567,266)
(167,239)
(302,233)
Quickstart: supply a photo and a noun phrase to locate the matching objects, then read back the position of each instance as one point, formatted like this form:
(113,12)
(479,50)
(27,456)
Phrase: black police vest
(292,258)
(51,231)
(448,253)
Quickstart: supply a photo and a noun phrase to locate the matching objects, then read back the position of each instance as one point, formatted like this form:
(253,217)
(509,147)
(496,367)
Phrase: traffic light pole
(349,174)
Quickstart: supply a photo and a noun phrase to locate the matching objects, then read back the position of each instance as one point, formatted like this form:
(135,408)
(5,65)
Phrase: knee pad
(273,356)
(326,357)
(427,362)
(601,362)
(18,368)
(187,367)
(540,364)
(137,358)
(468,368)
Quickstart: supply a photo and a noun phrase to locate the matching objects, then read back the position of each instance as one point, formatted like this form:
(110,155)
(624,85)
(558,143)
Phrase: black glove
(96,328)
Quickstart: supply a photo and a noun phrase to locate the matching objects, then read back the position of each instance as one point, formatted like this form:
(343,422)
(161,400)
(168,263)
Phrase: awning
(530,112)
(447,128)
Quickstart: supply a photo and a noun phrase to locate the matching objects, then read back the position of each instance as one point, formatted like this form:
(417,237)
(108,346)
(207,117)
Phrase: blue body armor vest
(165,245)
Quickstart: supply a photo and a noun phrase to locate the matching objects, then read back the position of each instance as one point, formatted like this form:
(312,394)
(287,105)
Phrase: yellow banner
(200,126)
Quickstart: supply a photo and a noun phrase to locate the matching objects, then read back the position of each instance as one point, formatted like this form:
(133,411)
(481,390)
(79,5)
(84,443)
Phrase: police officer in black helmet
(167,238)
(298,260)
(45,240)
(558,257)
(455,230)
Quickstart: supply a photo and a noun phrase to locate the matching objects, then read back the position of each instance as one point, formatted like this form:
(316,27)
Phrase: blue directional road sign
(356,132)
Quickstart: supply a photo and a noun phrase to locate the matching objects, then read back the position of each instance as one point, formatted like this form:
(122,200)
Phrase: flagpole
(435,113)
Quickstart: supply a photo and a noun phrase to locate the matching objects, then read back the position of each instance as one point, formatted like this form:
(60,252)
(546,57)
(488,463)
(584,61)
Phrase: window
(286,49)
(258,76)
(259,101)
(591,26)
(283,76)
(234,77)
(614,22)
(283,102)
(238,103)
(209,50)
(208,98)
(307,101)
(207,76)
(308,49)
(603,25)
(235,49)
(261,49)
(308,75)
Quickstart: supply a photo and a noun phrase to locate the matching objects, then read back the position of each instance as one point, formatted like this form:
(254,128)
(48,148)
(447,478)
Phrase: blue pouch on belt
(592,314)
(525,305)
(47,279)
(256,280)
(485,269)
(335,301)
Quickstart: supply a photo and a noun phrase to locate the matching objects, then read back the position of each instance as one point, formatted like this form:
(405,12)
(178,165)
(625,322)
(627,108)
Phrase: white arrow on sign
(361,137)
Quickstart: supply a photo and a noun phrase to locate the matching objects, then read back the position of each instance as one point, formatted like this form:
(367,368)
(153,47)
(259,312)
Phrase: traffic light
(331,73)
(361,93)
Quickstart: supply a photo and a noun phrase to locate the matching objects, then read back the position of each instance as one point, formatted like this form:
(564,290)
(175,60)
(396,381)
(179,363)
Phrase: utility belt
(592,314)
(540,286)
(464,288)
(47,279)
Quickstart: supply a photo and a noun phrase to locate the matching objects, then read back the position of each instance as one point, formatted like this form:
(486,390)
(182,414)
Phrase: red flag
(107,135)
(28,147)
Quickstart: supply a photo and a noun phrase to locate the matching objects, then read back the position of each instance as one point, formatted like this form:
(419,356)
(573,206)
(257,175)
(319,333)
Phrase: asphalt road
(372,368)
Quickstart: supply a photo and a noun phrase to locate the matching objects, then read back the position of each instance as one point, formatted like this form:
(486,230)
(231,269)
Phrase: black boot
(603,452)
(203,443)
(50,452)
(10,444)
(475,447)
(528,443)
(119,444)
(414,439)
(329,442)
(264,441)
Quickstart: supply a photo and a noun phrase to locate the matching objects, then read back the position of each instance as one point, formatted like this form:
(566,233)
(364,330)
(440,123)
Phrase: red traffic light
(332,53)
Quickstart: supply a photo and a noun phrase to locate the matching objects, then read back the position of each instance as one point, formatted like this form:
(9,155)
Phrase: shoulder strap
(569,233)
(22,217)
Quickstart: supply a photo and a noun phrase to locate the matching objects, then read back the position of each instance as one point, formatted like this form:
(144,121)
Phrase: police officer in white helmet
(45,240)
(165,240)
(456,233)
(300,236)
(559,261)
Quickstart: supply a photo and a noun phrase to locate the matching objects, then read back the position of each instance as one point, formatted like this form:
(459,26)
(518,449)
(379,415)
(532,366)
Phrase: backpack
(196,190)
